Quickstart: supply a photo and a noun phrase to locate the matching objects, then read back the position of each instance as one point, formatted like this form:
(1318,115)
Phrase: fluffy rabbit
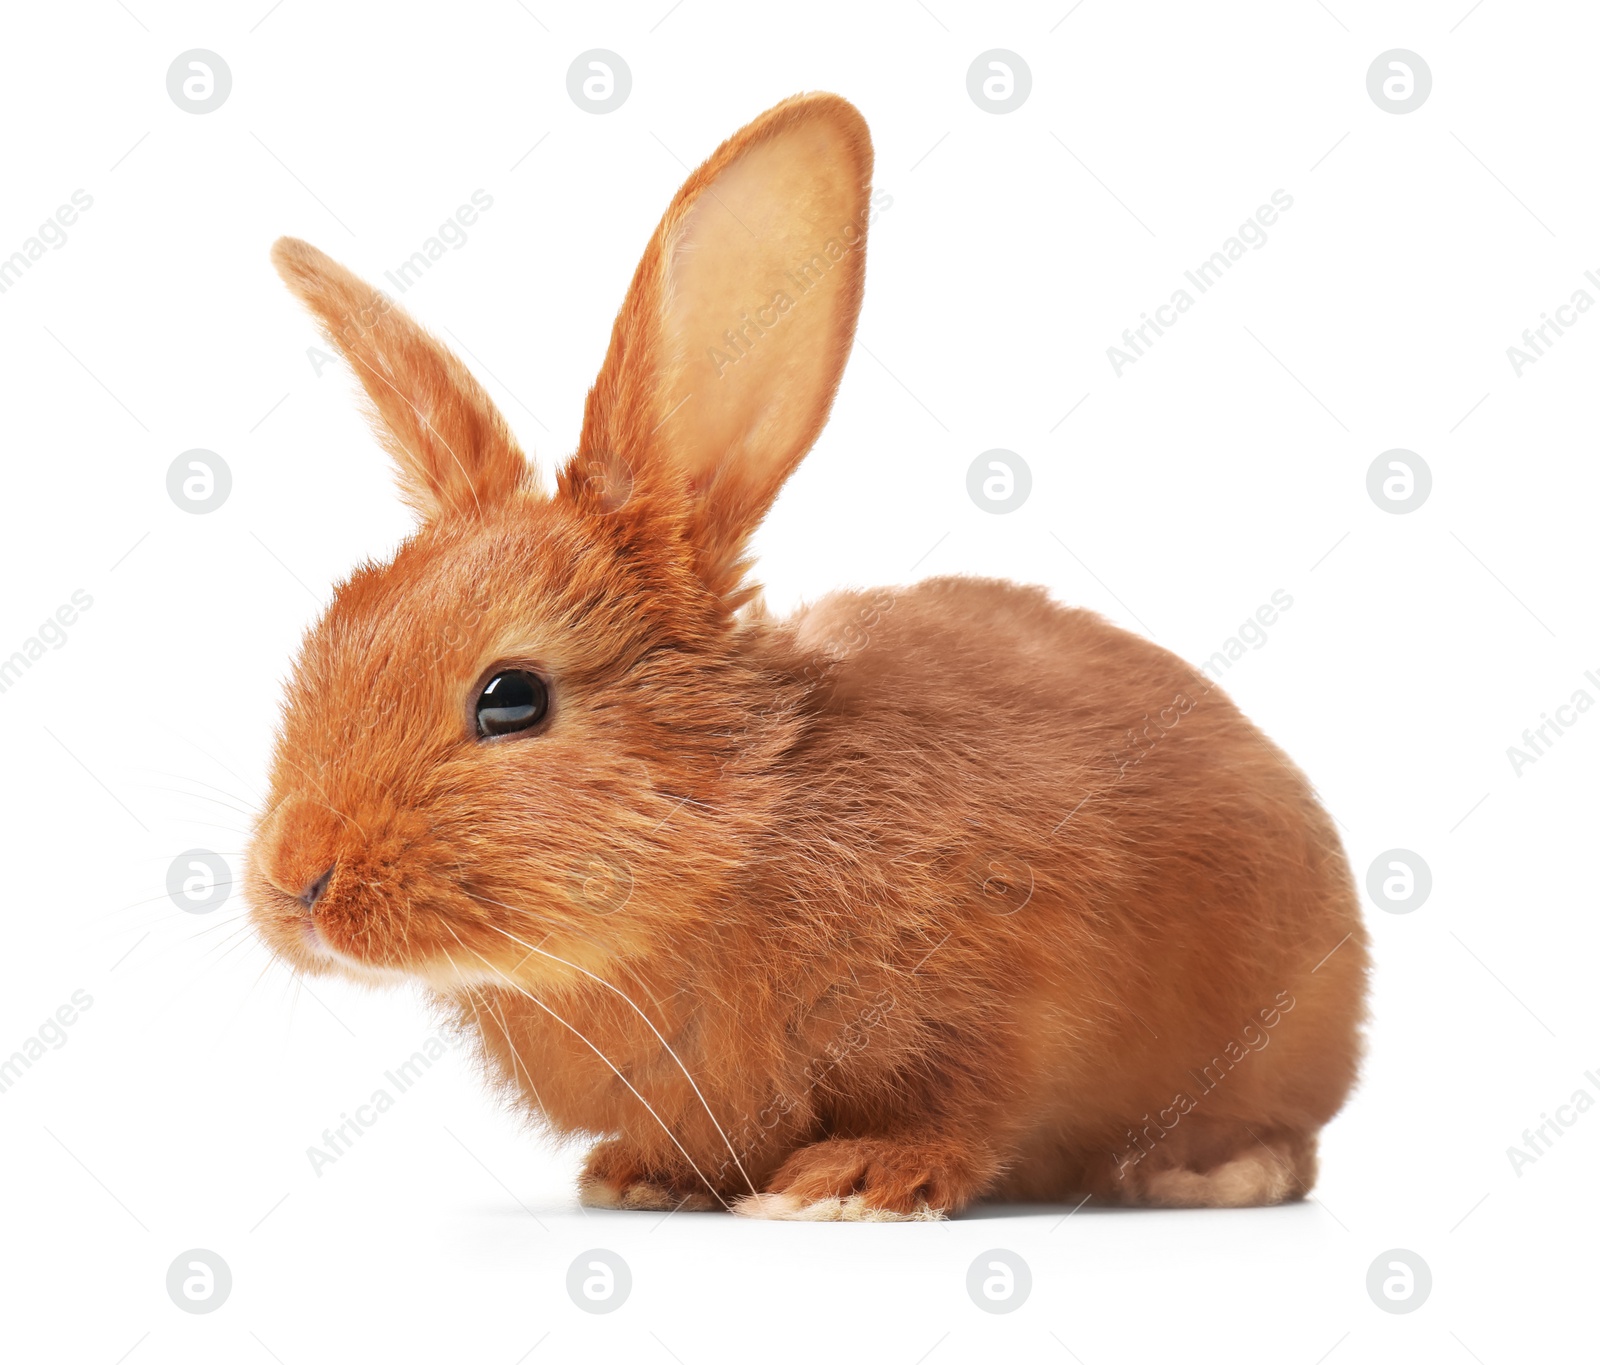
(915,897)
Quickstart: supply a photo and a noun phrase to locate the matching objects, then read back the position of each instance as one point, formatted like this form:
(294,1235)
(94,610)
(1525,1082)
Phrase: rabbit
(916,897)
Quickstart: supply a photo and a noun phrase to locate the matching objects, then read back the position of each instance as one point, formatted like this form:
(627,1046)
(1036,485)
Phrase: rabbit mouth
(394,901)
(318,945)
(298,935)
(316,933)
(331,941)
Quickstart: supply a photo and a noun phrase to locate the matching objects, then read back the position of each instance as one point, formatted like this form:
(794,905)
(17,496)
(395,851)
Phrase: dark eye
(511,701)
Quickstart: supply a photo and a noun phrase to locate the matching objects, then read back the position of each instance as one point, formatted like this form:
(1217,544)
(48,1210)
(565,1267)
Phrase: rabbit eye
(511,701)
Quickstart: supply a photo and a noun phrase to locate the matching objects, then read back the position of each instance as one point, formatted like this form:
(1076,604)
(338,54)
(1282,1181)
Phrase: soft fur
(918,896)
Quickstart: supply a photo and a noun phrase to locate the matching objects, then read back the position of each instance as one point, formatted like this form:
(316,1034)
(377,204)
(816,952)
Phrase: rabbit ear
(451,447)
(726,354)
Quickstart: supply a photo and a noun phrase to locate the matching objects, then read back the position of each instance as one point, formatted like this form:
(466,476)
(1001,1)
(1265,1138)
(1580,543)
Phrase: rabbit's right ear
(726,354)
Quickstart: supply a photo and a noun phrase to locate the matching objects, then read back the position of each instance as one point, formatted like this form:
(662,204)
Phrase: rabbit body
(919,896)
(1035,913)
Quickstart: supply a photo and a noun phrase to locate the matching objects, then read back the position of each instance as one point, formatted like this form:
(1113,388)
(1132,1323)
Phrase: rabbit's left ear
(452,450)
(726,354)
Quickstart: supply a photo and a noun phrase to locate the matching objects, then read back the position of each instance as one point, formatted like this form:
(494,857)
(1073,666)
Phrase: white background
(1227,463)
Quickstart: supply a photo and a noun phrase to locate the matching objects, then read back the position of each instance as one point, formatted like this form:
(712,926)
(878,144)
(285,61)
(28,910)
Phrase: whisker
(565,927)
(232,936)
(185,777)
(237,924)
(323,792)
(481,1003)
(197,796)
(229,947)
(244,1000)
(189,740)
(134,905)
(167,857)
(212,824)
(653,1029)
(481,996)
(602,1056)
(505,1029)
(238,921)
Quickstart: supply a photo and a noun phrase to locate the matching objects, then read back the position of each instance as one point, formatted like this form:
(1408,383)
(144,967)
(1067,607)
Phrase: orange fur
(898,903)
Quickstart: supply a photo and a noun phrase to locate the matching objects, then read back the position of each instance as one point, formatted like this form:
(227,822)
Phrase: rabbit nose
(313,892)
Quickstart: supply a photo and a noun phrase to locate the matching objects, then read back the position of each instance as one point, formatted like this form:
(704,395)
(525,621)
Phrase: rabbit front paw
(873,1180)
(616,1176)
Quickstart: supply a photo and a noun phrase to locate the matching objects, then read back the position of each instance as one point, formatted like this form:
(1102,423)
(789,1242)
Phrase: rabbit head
(535,721)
